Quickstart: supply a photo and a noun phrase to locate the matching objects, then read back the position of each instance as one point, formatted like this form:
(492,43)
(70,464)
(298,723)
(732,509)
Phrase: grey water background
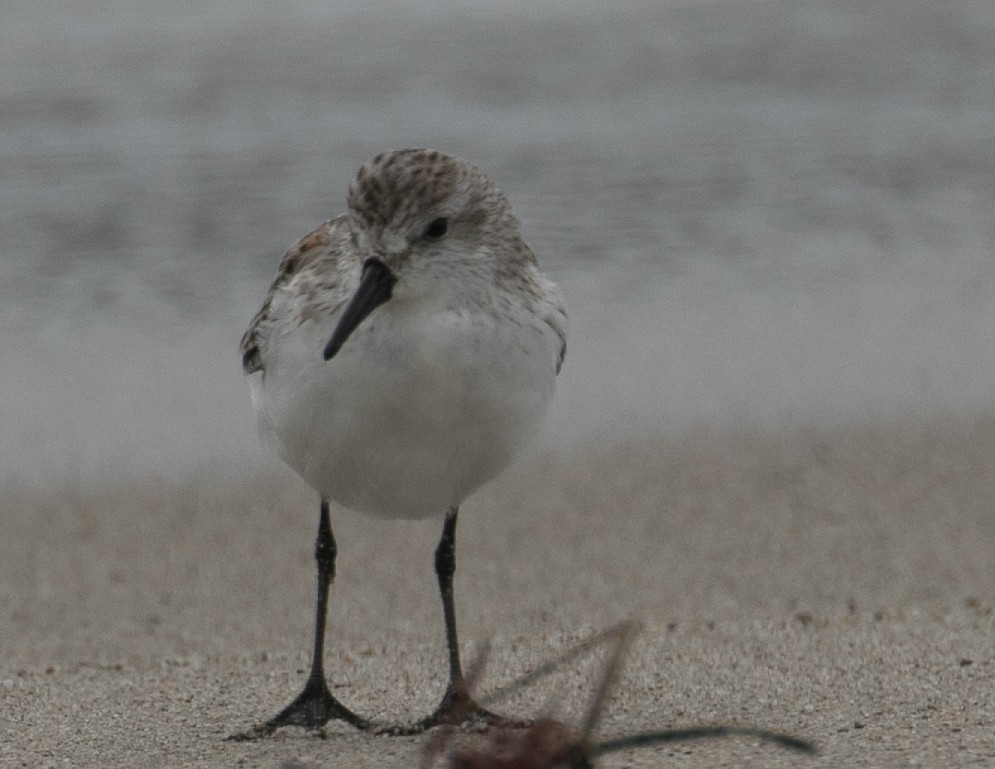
(761,212)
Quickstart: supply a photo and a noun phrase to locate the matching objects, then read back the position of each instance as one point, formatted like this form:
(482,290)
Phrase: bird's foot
(311,709)
(457,708)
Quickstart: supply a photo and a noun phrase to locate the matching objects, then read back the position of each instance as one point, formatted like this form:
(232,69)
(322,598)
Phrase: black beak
(375,286)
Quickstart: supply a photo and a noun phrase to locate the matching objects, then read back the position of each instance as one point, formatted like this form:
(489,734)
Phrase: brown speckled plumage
(299,260)
(395,191)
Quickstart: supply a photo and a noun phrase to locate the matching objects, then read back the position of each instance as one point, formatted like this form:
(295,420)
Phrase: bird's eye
(437,228)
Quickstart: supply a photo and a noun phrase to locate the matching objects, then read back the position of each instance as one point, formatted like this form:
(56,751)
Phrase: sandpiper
(406,351)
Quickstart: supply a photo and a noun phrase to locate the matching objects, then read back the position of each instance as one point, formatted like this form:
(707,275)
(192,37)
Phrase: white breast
(416,411)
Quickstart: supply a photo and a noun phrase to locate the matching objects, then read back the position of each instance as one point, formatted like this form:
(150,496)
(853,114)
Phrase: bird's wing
(318,256)
(554,314)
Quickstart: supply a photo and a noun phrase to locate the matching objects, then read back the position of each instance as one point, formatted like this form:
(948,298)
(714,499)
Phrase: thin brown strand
(622,635)
(548,668)
(547,743)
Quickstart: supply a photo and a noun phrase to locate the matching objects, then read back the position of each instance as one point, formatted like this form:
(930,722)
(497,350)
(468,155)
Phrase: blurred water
(758,210)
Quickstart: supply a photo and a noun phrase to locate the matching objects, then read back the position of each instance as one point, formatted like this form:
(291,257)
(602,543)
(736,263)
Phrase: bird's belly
(406,429)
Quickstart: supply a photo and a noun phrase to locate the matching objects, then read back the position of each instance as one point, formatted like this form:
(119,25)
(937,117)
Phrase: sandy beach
(835,583)
(772,442)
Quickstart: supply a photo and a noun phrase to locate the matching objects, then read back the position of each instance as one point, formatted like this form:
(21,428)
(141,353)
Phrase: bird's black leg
(457,705)
(315,706)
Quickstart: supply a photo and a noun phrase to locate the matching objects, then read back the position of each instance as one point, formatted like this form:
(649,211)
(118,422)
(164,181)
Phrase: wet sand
(834,582)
